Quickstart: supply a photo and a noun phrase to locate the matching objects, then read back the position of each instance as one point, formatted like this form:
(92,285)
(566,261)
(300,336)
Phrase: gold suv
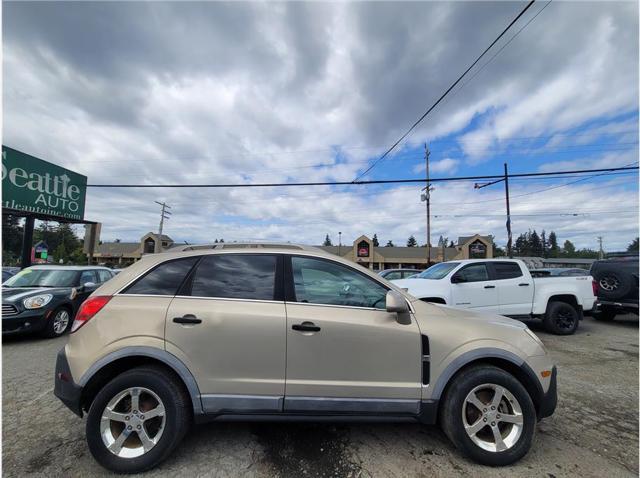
(275,331)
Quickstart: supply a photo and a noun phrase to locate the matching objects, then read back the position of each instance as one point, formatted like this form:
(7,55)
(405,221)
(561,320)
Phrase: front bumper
(25,321)
(64,387)
(549,400)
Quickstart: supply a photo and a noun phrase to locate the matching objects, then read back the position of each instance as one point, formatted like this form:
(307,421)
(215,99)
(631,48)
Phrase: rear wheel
(137,420)
(489,416)
(561,318)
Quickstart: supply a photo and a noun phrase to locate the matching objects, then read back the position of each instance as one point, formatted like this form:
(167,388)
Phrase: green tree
(633,247)
(374,241)
(411,242)
(11,239)
(535,244)
(327,241)
(554,250)
(451,244)
(389,243)
(544,243)
(568,250)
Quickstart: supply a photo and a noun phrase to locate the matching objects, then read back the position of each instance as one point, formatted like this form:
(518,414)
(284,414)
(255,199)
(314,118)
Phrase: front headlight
(37,301)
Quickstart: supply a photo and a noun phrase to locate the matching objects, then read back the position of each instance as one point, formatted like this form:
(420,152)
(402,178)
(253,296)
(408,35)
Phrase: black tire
(605,314)
(561,318)
(451,417)
(614,284)
(49,330)
(178,418)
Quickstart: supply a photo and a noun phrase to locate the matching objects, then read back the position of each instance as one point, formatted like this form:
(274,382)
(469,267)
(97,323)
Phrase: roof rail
(234,245)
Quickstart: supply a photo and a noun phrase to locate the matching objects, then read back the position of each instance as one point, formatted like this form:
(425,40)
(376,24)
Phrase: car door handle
(524,284)
(187,319)
(489,286)
(306,327)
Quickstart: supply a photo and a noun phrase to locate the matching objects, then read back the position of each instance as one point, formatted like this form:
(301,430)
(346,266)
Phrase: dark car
(395,274)
(617,279)
(9,272)
(45,299)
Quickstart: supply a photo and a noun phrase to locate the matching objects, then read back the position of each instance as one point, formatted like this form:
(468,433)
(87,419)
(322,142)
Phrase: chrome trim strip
(220,403)
(338,306)
(234,299)
(351,405)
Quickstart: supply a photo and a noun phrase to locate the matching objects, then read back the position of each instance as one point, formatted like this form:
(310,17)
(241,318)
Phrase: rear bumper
(64,387)
(549,400)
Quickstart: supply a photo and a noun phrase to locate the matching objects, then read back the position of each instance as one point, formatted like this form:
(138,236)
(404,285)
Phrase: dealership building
(361,251)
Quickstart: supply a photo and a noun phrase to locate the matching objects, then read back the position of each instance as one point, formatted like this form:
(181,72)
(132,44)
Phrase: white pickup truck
(505,287)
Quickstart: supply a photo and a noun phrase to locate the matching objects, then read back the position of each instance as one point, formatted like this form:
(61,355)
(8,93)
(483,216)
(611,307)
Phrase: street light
(339,243)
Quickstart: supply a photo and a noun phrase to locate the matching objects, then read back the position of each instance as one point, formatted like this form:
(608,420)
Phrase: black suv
(617,278)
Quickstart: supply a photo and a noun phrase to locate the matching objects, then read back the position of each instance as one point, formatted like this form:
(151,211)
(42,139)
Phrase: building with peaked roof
(363,252)
(126,253)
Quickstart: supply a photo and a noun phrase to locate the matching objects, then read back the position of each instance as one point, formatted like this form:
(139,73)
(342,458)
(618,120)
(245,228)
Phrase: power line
(455,83)
(363,183)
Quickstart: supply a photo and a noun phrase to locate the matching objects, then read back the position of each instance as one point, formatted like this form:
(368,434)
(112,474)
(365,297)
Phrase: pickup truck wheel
(489,416)
(137,420)
(614,284)
(561,318)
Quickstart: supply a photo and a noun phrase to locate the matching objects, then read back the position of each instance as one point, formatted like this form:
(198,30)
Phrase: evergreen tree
(633,247)
(374,241)
(411,242)
(441,241)
(327,241)
(543,240)
(553,245)
(569,250)
(389,243)
(451,244)
(11,239)
(535,244)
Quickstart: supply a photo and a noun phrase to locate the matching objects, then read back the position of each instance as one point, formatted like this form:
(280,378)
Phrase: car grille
(8,309)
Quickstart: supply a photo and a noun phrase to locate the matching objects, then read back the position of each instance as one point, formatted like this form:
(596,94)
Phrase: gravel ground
(594,431)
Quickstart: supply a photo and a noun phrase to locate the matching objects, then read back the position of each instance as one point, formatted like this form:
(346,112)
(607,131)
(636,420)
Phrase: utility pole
(164,214)
(506,193)
(339,243)
(600,251)
(426,197)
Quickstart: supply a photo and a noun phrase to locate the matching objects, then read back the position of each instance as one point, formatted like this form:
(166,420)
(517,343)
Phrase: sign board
(33,185)
(363,249)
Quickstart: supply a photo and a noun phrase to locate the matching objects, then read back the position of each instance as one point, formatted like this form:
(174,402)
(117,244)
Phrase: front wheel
(561,318)
(137,420)
(58,323)
(489,416)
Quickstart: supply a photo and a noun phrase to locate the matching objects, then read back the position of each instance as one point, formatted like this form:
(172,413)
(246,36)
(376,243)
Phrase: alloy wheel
(492,417)
(609,283)
(60,321)
(132,422)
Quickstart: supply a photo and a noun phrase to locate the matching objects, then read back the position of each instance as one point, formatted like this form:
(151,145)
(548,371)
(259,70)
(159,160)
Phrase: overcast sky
(262,92)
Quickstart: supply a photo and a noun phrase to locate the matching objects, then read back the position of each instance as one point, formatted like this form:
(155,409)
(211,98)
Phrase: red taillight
(594,286)
(88,309)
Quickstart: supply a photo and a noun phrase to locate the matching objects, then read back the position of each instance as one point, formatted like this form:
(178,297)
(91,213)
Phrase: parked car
(506,287)
(9,272)
(45,298)
(559,272)
(290,332)
(393,274)
(617,279)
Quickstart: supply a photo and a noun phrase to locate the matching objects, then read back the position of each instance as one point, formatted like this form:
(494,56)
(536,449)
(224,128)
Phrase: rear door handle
(306,327)
(187,319)
(524,284)
(489,286)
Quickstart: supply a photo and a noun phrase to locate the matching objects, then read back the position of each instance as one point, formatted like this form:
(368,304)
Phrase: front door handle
(306,327)
(187,319)
(489,286)
(524,284)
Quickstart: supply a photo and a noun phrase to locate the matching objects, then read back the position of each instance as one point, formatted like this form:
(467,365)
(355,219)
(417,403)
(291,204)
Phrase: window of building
(477,250)
(507,270)
(235,276)
(319,281)
(165,279)
(149,246)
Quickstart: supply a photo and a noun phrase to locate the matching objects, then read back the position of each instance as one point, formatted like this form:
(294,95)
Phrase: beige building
(126,253)
(364,253)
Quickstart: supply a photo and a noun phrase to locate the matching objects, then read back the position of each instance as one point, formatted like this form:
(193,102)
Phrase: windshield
(42,278)
(438,271)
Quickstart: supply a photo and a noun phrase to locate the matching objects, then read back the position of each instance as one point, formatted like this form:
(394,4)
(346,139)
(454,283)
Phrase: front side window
(103,275)
(473,273)
(235,276)
(324,282)
(87,276)
(393,275)
(507,270)
(165,279)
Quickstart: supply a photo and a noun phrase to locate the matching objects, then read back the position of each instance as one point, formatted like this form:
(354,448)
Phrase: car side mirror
(457,279)
(396,303)
(88,286)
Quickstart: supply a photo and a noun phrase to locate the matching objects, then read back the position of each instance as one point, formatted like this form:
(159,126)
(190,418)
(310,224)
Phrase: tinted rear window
(164,279)
(235,276)
(507,270)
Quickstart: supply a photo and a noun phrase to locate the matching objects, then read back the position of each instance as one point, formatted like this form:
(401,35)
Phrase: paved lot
(593,433)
